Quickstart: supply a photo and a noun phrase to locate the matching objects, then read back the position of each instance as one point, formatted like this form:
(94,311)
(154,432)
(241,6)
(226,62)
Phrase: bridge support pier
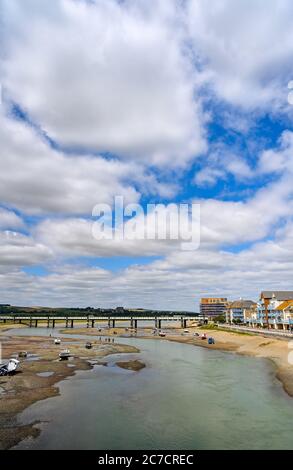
(48,322)
(31,322)
(36,324)
(66,322)
(53,323)
(93,323)
(71,325)
(183,322)
(159,324)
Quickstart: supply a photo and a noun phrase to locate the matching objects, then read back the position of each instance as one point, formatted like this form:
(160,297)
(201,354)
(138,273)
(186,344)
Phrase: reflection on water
(186,398)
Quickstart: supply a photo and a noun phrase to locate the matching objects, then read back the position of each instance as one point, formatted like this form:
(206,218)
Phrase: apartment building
(240,311)
(274,310)
(211,307)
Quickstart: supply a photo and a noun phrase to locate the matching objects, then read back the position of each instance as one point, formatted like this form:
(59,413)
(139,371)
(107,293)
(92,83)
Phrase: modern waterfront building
(284,313)
(274,310)
(211,307)
(240,311)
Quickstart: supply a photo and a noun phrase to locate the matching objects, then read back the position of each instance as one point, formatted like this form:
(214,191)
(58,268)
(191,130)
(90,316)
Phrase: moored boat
(57,341)
(9,368)
(65,354)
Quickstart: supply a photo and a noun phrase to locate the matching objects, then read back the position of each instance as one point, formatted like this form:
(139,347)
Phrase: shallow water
(45,374)
(186,398)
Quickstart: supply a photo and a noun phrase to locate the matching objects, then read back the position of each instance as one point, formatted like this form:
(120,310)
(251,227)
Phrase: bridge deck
(96,318)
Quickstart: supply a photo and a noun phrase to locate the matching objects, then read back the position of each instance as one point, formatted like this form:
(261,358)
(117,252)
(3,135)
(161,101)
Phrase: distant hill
(119,311)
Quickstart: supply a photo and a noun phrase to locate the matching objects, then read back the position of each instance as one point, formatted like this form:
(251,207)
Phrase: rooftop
(242,304)
(284,305)
(278,294)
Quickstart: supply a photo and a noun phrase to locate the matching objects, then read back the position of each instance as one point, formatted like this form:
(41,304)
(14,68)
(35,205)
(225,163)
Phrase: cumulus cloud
(9,220)
(19,250)
(37,179)
(104,75)
(279,160)
(246,49)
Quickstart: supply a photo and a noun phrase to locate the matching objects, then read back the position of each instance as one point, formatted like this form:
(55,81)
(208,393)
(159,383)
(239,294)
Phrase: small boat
(186,331)
(64,354)
(88,345)
(162,334)
(57,341)
(211,340)
(9,368)
(195,334)
(204,336)
(22,354)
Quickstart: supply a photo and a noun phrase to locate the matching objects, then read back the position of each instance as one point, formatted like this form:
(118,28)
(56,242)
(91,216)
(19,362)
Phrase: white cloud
(9,220)
(246,49)
(208,176)
(37,179)
(236,222)
(106,75)
(279,160)
(20,250)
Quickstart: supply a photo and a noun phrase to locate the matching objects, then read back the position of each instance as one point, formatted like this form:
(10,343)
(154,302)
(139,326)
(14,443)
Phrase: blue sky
(164,102)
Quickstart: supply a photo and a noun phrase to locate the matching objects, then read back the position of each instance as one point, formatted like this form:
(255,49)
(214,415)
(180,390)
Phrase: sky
(164,101)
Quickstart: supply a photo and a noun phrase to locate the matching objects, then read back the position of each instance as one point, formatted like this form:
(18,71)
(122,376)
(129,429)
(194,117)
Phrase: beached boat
(186,331)
(22,354)
(204,336)
(57,341)
(88,345)
(9,368)
(211,340)
(64,354)
(162,334)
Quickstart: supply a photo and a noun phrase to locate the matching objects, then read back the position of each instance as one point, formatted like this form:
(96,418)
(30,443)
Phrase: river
(186,398)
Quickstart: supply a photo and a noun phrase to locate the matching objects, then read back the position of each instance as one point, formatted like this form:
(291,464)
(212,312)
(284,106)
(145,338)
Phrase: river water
(186,398)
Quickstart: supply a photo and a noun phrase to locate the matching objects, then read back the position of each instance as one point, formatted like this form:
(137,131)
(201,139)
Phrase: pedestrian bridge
(91,320)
